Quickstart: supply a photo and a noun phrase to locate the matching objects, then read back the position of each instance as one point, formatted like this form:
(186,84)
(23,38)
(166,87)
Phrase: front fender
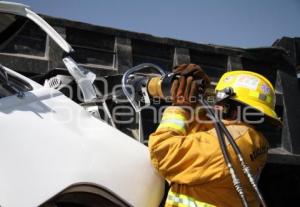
(48,143)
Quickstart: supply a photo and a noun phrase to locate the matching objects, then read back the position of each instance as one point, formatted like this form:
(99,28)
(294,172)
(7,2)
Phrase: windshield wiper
(4,79)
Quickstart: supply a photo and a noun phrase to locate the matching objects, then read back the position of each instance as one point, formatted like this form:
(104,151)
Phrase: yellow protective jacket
(190,158)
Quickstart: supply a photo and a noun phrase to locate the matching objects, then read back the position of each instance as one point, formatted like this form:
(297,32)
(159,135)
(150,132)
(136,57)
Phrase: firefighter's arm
(182,157)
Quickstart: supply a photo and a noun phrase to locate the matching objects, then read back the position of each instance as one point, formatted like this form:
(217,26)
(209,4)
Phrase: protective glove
(193,70)
(184,91)
(192,82)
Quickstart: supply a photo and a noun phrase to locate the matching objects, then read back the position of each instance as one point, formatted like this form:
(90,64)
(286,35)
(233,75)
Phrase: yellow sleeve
(174,119)
(184,158)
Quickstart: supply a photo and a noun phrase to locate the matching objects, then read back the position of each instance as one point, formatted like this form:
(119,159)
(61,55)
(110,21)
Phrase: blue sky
(241,23)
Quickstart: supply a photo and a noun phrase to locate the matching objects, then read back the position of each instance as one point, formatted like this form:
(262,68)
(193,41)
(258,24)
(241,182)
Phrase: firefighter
(185,149)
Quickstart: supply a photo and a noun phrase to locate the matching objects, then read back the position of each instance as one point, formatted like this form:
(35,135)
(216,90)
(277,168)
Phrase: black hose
(246,169)
(221,138)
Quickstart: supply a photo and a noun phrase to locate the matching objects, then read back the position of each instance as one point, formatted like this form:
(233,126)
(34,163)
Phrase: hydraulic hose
(221,138)
(245,167)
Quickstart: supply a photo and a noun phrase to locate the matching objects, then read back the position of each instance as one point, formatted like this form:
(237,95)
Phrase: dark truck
(110,52)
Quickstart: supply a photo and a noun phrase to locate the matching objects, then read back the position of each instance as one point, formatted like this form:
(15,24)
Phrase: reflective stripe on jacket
(181,200)
(188,155)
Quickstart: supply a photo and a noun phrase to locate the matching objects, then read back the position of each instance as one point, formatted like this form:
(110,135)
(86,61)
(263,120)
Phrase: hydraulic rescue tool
(146,86)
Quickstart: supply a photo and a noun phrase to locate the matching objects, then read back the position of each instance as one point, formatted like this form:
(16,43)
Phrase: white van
(52,151)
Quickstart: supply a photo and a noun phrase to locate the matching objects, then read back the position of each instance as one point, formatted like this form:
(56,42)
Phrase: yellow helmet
(251,89)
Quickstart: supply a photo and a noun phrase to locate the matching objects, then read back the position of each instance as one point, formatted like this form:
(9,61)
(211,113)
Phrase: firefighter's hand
(195,71)
(185,91)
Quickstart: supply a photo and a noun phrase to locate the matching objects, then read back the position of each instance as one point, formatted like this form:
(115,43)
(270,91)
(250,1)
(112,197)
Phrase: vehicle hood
(48,143)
